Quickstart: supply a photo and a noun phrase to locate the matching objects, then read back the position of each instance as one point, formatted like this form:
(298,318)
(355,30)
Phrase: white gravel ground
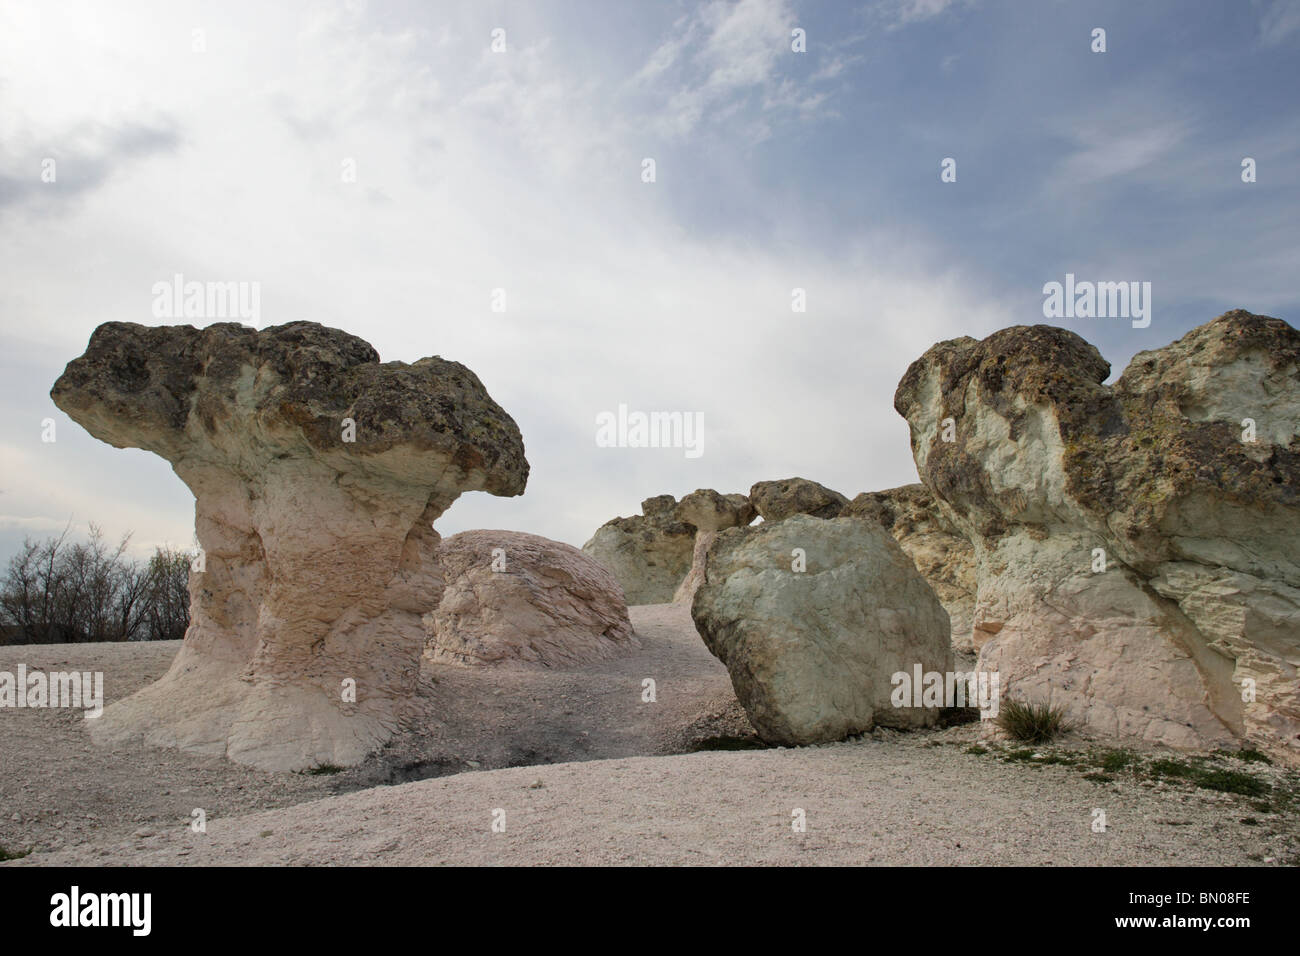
(888,798)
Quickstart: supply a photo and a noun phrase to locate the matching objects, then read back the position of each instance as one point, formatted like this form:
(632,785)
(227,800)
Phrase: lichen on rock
(317,473)
(1137,546)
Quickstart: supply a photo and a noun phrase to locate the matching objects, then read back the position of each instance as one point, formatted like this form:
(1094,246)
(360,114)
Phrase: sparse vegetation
(1250,755)
(1113,761)
(1033,723)
(1205,771)
(322,769)
(728,743)
(6,854)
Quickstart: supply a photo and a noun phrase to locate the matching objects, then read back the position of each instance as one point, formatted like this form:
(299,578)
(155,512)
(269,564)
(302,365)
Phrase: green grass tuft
(1211,778)
(1250,755)
(1032,723)
(1112,761)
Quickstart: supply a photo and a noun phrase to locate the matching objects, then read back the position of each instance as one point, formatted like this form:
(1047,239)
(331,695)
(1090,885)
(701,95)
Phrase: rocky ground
(583,771)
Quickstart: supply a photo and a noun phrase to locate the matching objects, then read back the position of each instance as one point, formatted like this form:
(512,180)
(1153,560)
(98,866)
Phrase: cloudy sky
(214,140)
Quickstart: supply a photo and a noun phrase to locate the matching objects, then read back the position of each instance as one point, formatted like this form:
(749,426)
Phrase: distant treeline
(56,592)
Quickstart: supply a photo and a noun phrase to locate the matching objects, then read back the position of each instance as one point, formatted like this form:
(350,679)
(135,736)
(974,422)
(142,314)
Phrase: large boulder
(317,473)
(812,652)
(519,597)
(777,500)
(939,550)
(1137,546)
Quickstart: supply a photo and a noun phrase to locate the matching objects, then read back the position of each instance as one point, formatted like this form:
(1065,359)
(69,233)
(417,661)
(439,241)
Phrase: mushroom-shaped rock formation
(812,648)
(1137,546)
(653,554)
(940,552)
(317,473)
(777,500)
(710,512)
(519,597)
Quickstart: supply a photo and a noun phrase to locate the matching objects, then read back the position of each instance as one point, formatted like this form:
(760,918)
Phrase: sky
(382,168)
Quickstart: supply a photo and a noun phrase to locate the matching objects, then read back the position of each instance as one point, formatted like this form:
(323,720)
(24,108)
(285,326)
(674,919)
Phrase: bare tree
(168,600)
(53,591)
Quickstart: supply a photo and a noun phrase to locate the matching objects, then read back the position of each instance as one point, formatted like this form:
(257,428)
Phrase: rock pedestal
(317,473)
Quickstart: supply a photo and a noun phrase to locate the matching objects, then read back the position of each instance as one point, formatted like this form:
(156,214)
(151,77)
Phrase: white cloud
(476,171)
(729,55)
(901,13)
(1108,148)
(1279,21)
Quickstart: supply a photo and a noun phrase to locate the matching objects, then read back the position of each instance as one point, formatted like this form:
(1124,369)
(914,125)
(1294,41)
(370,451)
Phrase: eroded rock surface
(319,555)
(648,554)
(940,552)
(699,562)
(708,510)
(777,500)
(651,554)
(519,597)
(811,653)
(1052,475)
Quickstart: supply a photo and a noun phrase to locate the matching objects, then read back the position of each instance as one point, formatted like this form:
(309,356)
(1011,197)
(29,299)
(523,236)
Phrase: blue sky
(521,170)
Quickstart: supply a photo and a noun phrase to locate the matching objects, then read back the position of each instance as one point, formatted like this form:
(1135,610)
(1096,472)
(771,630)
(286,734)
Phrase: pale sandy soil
(918,798)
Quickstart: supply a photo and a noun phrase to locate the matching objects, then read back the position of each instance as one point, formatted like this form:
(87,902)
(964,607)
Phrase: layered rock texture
(777,500)
(812,618)
(938,549)
(515,597)
(651,554)
(1136,546)
(317,473)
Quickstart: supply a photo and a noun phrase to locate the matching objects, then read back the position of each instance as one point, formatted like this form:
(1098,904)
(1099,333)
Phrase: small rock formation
(709,511)
(652,553)
(943,556)
(1137,546)
(811,653)
(777,500)
(512,596)
(317,473)
(685,592)
(648,554)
